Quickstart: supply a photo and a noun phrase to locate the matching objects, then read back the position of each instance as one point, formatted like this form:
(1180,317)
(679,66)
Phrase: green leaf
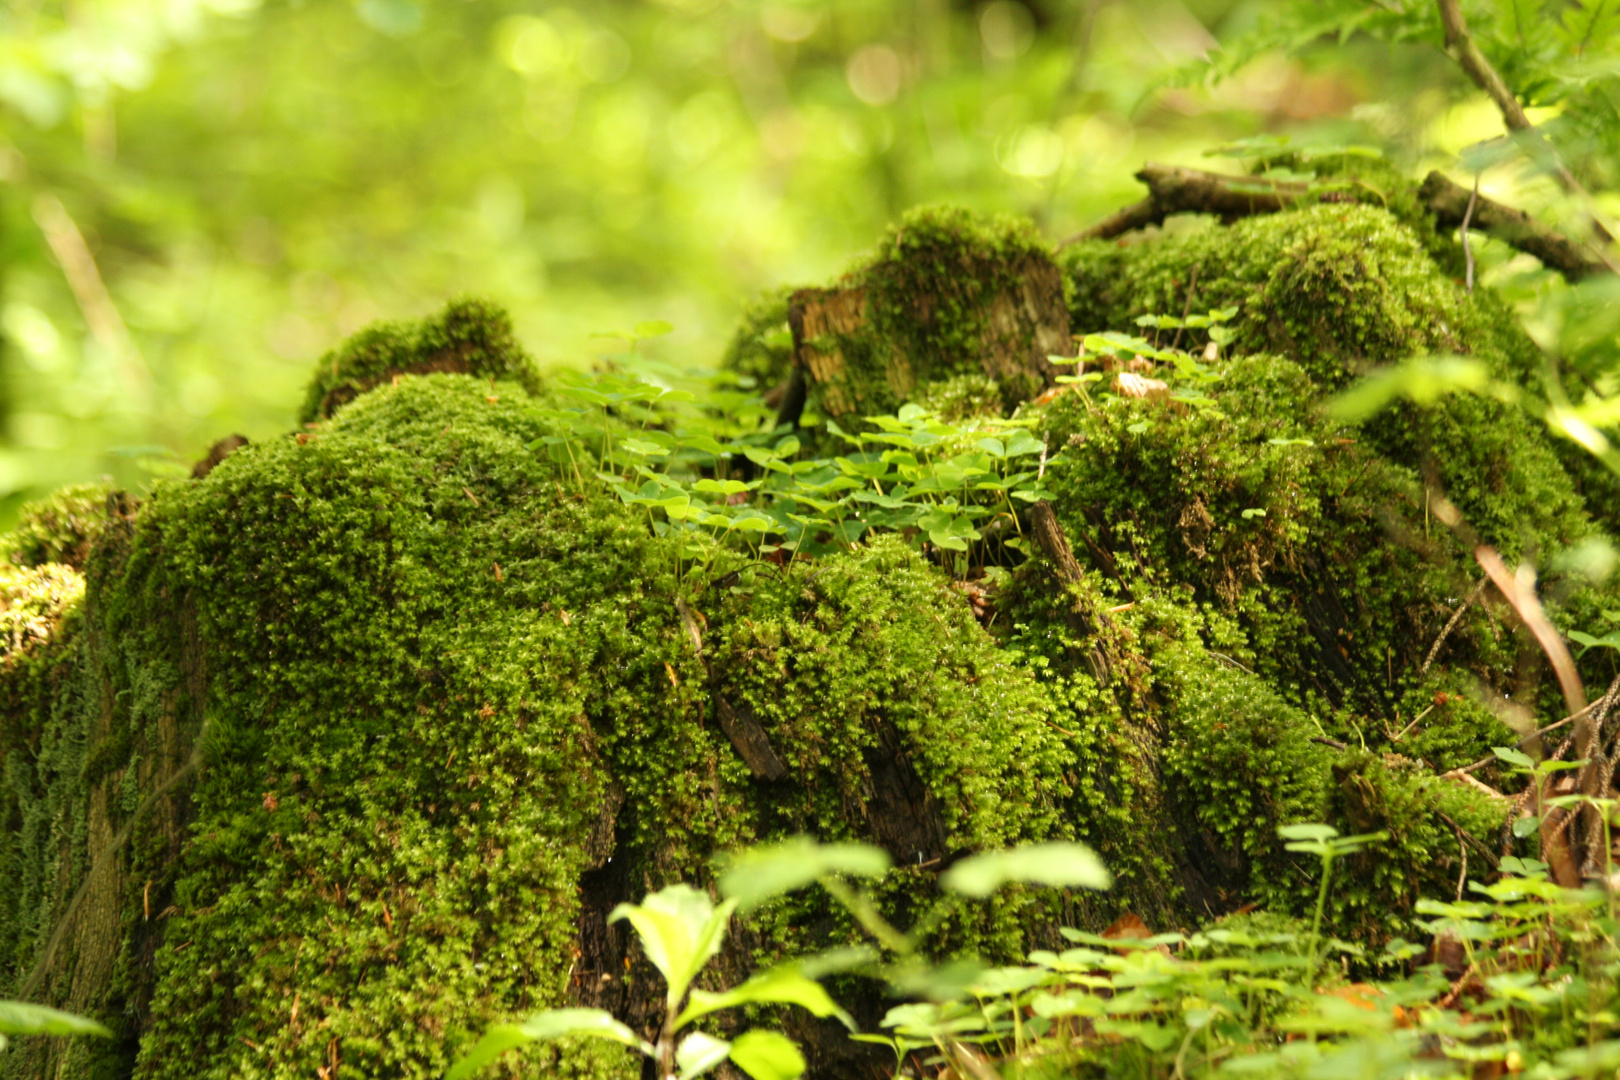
(653,328)
(1057,863)
(767,1055)
(1253,512)
(680,930)
(1307,831)
(770,870)
(1423,379)
(1514,757)
(721,487)
(1526,826)
(1610,640)
(785,984)
(544,1026)
(698,1053)
(23,1018)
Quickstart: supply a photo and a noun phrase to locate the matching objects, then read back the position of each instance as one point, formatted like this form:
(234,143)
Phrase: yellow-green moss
(58,528)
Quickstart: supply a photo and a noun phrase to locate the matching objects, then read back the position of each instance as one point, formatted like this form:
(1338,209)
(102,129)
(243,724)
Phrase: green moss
(59,528)
(961,397)
(46,817)
(470,337)
(947,293)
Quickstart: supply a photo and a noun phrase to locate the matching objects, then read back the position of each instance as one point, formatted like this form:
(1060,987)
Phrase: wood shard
(750,740)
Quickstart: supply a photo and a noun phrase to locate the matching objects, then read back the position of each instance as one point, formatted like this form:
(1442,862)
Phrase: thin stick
(95,302)
(1460,44)
(1468,250)
(1462,876)
(1192,289)
(1538,733)
(1456,616)
(1529,608)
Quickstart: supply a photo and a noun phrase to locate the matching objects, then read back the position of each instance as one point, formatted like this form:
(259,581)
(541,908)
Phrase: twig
(1448,201)
(1451,624)
(1529,608)
(1192,289)
(90,291)
(1468,250)
(1325,741)
(1462,876)
(1470,837)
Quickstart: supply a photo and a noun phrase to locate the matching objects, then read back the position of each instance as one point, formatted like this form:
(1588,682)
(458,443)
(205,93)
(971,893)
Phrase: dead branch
(1175,190)
(1534,735)
(1449,200)
(1456,616)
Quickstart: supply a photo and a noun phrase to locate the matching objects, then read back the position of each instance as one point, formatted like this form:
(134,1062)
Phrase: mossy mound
(59,528)
(379,722)
(470,337)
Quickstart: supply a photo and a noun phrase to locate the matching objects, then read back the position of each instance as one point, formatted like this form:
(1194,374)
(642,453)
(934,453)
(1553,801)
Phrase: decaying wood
(1049,535)
(750,740)
(217,453)
(1019,327)
(1175,190)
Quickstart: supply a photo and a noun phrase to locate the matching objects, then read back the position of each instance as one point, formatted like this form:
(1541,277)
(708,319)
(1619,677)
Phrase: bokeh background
(199,197)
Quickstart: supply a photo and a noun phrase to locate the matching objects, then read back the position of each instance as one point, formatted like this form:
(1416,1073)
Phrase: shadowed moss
(761,348)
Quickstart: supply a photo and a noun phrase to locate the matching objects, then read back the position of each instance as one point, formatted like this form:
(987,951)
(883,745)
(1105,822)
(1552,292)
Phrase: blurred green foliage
(198,197)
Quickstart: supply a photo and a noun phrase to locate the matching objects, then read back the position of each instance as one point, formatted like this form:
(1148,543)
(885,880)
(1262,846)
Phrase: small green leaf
(767,1055)
(698,1053)
(785,984)
(1526,826)
(1057,863)
(680,930)
(1138,428)
(1253,512)
(1514,757)
(653,328)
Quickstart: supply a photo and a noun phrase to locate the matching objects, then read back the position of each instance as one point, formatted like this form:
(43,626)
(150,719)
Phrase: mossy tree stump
(322,761)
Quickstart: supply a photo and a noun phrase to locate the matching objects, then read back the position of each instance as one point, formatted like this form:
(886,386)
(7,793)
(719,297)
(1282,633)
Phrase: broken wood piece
(1175,190)
(1130,384)
(750,740)
(1049,535)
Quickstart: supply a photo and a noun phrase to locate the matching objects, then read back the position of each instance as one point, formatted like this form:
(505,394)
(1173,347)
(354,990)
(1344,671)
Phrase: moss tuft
(59,528)
(470,337)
